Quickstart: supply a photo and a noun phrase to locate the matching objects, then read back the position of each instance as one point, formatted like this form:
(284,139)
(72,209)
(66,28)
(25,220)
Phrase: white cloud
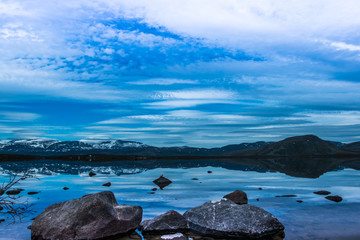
(12,8)
(170,104)
(203,94)
(191,98)
(117,121)
(345,46)
(181,117)
(334,118)
(229,21)
(21,80)
(164,81)
(145,39)
(19,116)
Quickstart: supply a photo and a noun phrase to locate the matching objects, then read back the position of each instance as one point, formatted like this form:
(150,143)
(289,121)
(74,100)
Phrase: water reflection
(131,182)
(296,167)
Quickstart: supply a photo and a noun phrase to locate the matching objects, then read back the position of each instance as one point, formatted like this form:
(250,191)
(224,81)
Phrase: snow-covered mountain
(308,145)
(30,143)
(51,146)
(41,146)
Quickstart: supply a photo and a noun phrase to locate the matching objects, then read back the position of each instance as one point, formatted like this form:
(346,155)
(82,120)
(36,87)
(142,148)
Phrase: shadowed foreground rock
(92,216)
(225,219)
(238,197)
(169,222)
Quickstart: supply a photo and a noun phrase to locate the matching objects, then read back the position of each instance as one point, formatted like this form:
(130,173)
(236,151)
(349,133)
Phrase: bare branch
(12,205)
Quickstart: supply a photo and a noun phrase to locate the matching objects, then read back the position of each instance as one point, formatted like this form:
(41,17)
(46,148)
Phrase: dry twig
(14,206)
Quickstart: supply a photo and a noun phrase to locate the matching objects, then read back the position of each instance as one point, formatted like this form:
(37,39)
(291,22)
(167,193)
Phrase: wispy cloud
(170,104)
(196,94)
(345,46)
(164,81)
(19,116)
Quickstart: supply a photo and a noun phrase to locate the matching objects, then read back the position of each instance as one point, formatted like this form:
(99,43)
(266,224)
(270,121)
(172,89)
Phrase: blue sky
(199,73)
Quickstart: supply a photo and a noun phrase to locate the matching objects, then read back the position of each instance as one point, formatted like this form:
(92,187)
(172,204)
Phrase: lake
(132,181)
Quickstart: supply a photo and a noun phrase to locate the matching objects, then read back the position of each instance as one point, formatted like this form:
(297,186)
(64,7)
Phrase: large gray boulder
(93,216)
(169,222)
(225,219)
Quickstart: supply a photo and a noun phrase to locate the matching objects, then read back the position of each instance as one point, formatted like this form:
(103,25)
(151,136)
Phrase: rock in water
(13,192)
(162,182)
(92,216)
(335,198)
(32,193)
(225,219)
(92,174)
(238,197)
(322,192)
(169,222)
(108,184)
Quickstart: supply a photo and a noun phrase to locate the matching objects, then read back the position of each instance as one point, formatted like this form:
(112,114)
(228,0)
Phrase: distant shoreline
(114,157)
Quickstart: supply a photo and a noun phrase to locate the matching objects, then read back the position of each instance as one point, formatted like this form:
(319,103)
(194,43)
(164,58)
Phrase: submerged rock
(162,182)
(65,188)
(238,197)
(225,219)
(14,192)
(108,184)
(169,222)
(322,192)
(335,198)
(32,193)
(91,174)
(286,195)
(92,216)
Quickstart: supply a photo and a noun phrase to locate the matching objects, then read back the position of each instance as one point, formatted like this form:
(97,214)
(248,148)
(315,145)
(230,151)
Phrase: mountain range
(307,145)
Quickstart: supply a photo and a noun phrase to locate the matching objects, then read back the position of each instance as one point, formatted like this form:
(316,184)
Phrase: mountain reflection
(295,167)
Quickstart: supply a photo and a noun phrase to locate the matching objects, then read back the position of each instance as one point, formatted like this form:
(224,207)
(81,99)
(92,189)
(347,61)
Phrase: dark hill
(308,145)
(354,147)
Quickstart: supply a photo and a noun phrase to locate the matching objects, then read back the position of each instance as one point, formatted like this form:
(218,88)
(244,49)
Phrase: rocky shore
(99,216)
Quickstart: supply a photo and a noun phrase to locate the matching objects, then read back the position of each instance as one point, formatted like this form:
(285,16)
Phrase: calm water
(315,218)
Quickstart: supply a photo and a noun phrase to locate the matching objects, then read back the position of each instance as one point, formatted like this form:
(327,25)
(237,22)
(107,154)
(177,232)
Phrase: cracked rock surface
(93,216)
(226,219)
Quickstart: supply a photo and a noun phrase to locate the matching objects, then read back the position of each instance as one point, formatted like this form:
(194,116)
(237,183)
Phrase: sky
(201,73)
